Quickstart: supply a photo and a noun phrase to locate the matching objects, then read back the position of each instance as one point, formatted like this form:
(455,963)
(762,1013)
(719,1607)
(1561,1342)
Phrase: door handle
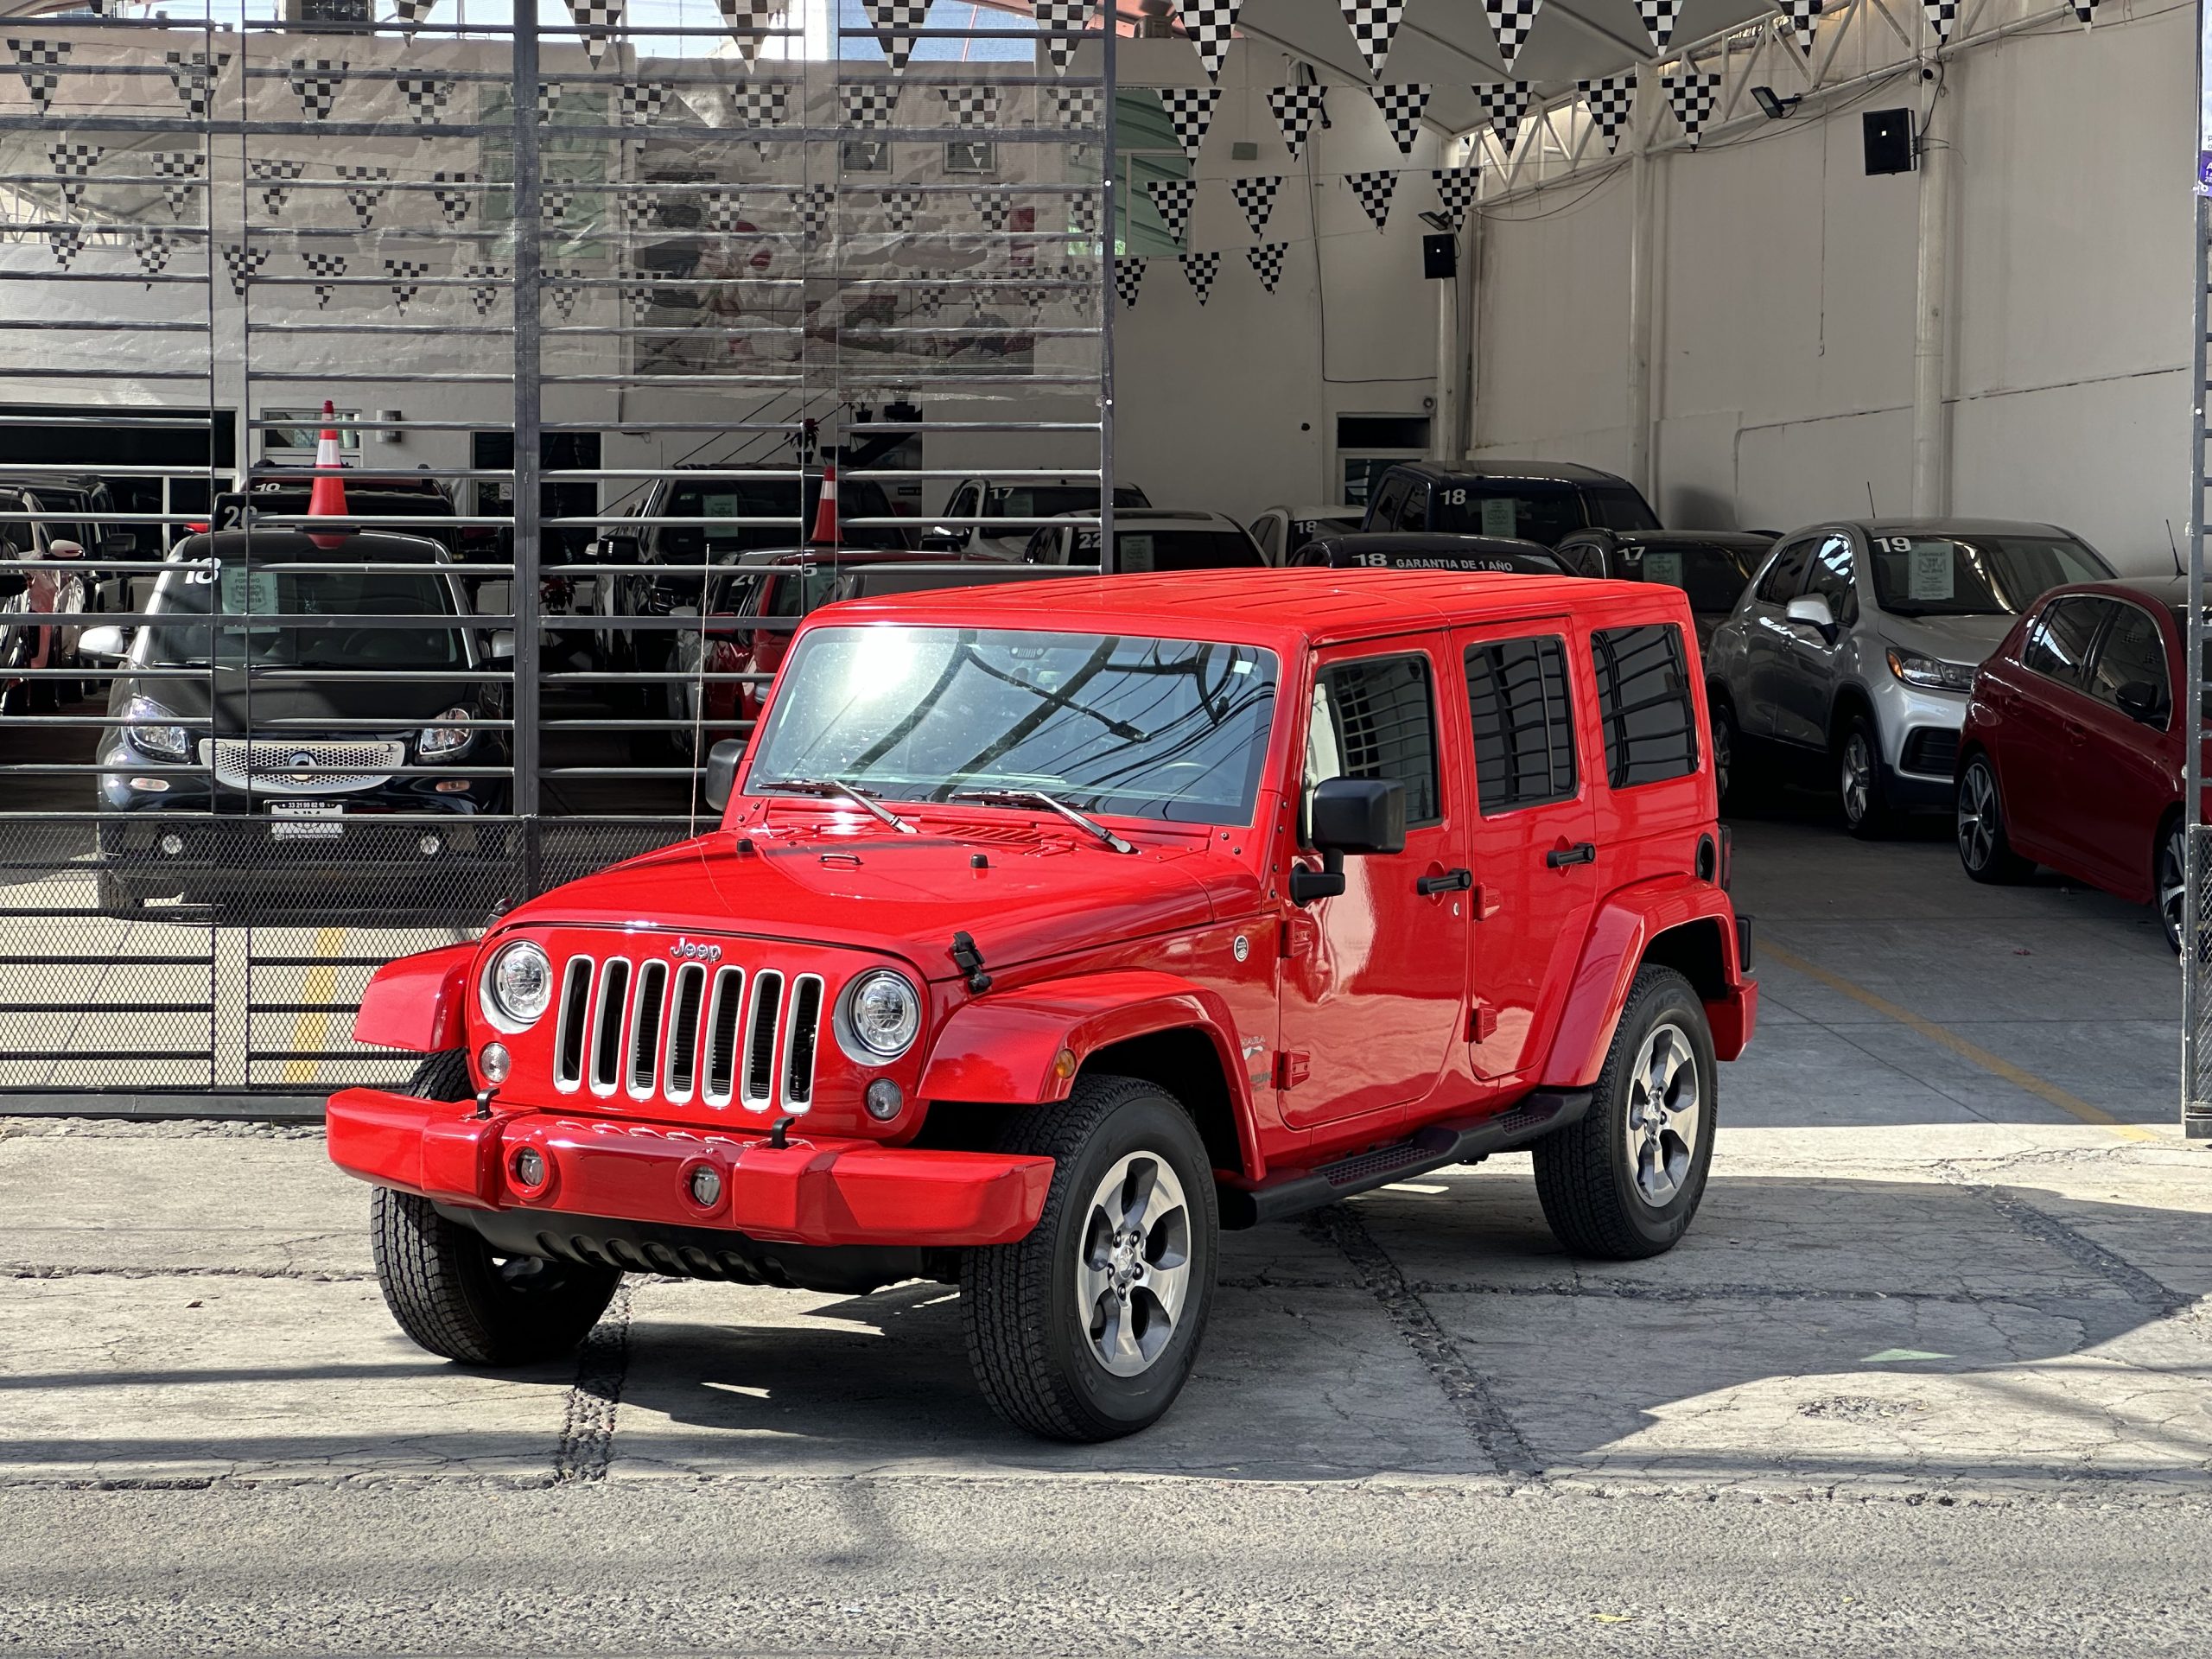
(1583,852)
(1450,882)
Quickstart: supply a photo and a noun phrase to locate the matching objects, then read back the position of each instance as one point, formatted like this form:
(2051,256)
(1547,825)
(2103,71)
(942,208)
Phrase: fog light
(151,785)
(706,1187)
(529,1168)
(494,1062)
(430,846)
(172,844)
(884,1100)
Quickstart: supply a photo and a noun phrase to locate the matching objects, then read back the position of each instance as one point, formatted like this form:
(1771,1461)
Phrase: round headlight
(880,1017)
(518,985)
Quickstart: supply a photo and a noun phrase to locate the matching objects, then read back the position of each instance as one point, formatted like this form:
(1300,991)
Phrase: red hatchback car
(2072,754)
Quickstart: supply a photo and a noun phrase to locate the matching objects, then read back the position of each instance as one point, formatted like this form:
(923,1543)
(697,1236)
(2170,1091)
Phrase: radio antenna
(2176,546)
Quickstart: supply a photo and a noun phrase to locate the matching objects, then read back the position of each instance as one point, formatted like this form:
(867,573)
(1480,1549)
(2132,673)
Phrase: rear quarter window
(1644,703)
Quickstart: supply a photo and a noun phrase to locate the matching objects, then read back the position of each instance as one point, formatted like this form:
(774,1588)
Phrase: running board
(1293,1194)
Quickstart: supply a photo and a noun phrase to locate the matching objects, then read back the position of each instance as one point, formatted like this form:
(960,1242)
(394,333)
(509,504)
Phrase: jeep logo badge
(685,950)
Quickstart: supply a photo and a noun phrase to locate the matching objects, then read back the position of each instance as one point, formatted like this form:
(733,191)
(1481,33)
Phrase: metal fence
(596,297)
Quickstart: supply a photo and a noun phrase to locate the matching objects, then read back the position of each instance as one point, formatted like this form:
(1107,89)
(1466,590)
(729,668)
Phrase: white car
(1280,532)
(1023,504)
(1151,539)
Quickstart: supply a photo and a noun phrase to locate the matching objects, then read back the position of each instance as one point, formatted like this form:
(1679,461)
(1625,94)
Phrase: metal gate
(597,297)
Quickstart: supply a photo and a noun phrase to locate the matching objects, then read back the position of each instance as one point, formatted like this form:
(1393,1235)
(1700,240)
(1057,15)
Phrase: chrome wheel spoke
(1133,1270)
(1665,1111)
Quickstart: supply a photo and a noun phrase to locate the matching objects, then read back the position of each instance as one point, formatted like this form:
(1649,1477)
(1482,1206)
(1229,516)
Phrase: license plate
(305,820)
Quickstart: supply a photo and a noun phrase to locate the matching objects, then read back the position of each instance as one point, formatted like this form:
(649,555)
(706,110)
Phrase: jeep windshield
(360,596)
(1976,575)
(1171,729)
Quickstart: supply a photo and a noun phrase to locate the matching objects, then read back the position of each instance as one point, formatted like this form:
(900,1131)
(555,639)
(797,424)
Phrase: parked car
(1280,532)
(1023,504)
(2075,746)
(1044,935)
(319,726)
(1531,501)
(1410,550)
(76,507)
(1713,567)
(60,580)
(279,497)
(1149,539)
(1859,641)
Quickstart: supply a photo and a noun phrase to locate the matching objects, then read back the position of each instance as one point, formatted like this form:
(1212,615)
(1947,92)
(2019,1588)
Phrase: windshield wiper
(844,790)
(1038,797)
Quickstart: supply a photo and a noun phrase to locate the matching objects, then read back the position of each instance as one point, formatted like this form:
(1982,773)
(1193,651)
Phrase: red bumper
(814,1190)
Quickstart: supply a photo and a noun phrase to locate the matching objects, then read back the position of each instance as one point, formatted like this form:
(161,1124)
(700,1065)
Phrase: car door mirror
(61,547)
(106,643)
(613,549)
(1354,815)
(503,645)
(721,773)
(2141,699)
(1812,610)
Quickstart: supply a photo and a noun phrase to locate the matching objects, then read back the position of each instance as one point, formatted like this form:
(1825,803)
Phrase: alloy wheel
(1665,1113)
(1857,775)
(1134,1272)
(1977,824)
(2173,886)
(1724,750)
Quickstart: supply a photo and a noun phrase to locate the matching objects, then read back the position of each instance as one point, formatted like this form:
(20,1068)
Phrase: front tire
(1984,847)
(1087,1329)
(1623,1183)
(451,1294)
(1863,785)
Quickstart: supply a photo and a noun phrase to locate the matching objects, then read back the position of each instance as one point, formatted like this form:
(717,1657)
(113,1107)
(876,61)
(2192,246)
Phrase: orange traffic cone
(825,511)
(328,499)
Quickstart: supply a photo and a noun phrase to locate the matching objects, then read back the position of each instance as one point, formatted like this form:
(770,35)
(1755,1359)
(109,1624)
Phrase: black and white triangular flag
(597,19)
(2085,10)
(1800,15)
(1267,261)
(748,21)
(1190,111)
(869,102)
(1943,14)
(1210,24)
(1173,197)
(180,170)
(244,265)
(991,207)
(1257,196)
(453,201)
(638,103)
(194,74)
(900,208)
(764,103)
(554,201)
(366,191)
(641,213)
(1199,270)
(1401,105)
(276,176)
(813,203)
(1068,16)
(485,293)
(315,82)
(1510,21)
(971,106)
(1658,17)
(71,163)
(1692,92)
(1128,278)
(549,99)
(558,285)
(1611,99)
(641,294)
(39,63)
(427,97)
(1505,106)
(322,264)
(152,247)
(1296,109)
(1374,190)
(721,208)
(406,275)
(67,242)
(1083,214)
(1078,107)
(895,21)
(1455,192)
(1372,23)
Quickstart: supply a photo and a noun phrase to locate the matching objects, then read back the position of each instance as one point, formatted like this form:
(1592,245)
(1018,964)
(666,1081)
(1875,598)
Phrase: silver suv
(1860,640)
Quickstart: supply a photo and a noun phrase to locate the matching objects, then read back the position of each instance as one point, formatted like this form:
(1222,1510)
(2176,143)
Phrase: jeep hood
(907,894)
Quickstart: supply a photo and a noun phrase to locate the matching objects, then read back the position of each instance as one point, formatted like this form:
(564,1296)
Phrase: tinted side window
(1414,514)
(2058,641)
(2132,654)
(1524,726)
(1829,575)
(1373,717)
(1619,508)
(1643,698)
(1384,513)
(1779,585)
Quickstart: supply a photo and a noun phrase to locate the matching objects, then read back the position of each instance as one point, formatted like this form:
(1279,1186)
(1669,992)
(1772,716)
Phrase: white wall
(1782,352)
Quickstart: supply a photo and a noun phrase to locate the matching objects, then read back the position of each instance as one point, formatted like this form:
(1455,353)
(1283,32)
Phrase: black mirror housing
(1358,815)
(722,771)
(2141,699)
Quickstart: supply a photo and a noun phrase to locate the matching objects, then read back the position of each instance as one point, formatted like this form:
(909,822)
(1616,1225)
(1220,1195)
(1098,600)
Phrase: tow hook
(778,1130)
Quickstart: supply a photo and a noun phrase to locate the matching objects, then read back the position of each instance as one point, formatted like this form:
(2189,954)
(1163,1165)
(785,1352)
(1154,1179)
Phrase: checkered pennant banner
(1296,109)
(812,205)
(1210,24)
(243,264)
(406,277)
(1064,15)
(2085,10)
(1942,14)
(1374,191)
(1266,262)
(315,82)
(721,208)
(1611,99)
(1190,111)
(558,283)
(930,298)
(1198,271)
(67,242)
(764,103)
(323,264)
(900,208)
(1510,21)
(485,281)
(453,201)
(971,106)
(367,191)
(641,294)
(39,63)
(1694,93)
(1455,192)
(427,97)
(748,21)
(1801,15)
(549,99)
(275,177)
(1173,197)
(194,74)
(1658,17)
(1083,214)
(895,21)
(179,170)
(597,18)
(152,247)
(1078,107)
(1401,105)
(869,102)
(554,201)
(991,207)
(410,13)
(641,211)
(1257,196)
(1128,278)
(638,103)
(1372,23)
(73,162)
(1505,106)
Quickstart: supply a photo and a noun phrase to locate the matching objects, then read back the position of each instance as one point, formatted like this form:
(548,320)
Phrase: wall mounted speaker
(1440,255)
(1889,141)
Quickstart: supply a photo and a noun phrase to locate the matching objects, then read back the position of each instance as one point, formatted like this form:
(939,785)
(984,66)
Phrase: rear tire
(1730,784)
(1984,847)
(2169,882)
(451,1294)
(1862,782)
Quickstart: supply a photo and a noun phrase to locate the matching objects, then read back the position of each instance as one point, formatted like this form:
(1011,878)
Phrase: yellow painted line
(311,1032)
(1996,1064)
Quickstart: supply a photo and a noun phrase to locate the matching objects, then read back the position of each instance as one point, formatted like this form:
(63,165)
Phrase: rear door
(2044,730)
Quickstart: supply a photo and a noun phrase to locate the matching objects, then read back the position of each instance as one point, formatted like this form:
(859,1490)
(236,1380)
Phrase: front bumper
(815,1191)
(1919,728)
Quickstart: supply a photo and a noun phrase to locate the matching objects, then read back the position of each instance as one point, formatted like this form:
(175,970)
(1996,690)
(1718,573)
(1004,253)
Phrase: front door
(1768,636)
(1375,980)
(1805,690)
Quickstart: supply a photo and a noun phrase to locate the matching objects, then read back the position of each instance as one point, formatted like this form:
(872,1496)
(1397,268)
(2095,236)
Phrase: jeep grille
(718,1033)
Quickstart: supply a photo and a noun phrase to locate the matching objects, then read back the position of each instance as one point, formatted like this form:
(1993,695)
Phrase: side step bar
(1299,1190)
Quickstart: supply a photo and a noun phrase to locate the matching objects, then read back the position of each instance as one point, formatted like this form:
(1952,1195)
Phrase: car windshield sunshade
(322,599)
(1525,509)
(1975,576)
(1170,729)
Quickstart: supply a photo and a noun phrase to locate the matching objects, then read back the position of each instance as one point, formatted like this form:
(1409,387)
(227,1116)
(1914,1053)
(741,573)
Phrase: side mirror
(942,539)
(106,643)
(721,773)
(1354,815)
(503,645)
(615,549)
(65,549)
(2140,700)
(1813,610)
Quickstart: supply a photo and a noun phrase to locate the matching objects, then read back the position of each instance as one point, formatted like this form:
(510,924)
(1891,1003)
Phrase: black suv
(1713,567)
(1527,500)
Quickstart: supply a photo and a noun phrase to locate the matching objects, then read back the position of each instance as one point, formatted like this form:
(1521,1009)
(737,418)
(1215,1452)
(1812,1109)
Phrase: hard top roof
(1746,540)
(1944,527)
(1548,471)
(331,541)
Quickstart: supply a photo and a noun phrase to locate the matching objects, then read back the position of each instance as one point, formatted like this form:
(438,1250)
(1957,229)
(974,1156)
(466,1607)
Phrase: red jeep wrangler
(1043,938)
